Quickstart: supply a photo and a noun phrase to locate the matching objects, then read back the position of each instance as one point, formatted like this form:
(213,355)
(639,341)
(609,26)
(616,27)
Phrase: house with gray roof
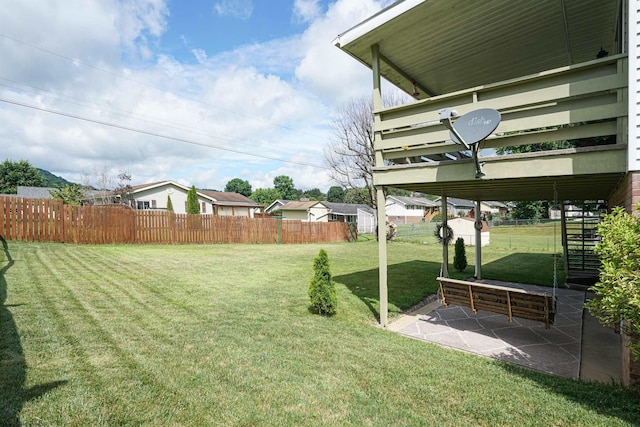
(314,211)
(409,210)
(34,192)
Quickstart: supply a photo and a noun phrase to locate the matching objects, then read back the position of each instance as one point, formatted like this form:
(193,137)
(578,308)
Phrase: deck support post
(478,230)
(445,247)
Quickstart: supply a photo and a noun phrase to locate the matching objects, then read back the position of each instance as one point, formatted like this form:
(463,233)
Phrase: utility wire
(127,114)
(141,131)
(76,62)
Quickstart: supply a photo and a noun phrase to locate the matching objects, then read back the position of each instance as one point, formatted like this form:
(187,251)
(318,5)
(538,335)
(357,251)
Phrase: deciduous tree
(335,194)
(350,153)
(240,186)
(13,174)
(124,189)
(72,194)
(265,196)
(285,187)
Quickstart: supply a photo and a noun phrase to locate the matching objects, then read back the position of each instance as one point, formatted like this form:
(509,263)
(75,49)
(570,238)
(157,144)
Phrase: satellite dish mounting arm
(445,118)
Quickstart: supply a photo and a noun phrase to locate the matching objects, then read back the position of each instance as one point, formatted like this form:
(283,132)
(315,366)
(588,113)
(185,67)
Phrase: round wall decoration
(444,234)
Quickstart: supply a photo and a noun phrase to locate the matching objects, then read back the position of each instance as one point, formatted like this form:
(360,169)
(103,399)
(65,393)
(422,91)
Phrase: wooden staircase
(579,239)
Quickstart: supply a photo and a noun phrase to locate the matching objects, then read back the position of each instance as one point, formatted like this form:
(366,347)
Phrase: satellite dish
(475,126)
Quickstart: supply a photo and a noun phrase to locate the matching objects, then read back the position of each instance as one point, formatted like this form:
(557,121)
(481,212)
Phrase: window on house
(154,204)
(143,204)
(204,207)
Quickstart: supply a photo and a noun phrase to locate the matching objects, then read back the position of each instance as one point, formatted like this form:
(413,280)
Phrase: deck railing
(571,103)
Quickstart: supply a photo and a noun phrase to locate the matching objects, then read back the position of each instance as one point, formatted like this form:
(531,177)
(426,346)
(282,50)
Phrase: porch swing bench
(513,302)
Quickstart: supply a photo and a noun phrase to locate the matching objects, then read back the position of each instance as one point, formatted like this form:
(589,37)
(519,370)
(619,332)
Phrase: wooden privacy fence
(45,220)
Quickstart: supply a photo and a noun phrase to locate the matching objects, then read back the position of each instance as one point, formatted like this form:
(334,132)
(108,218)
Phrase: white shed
(465,227)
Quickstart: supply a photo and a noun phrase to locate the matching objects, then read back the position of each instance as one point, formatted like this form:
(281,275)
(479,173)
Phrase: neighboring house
(409,210)
(457,207)
(305,211)
(464,227)
(34,192)
(363,215)
(232,204)
(276,206)
(156,194)
(313,211)
(494,208)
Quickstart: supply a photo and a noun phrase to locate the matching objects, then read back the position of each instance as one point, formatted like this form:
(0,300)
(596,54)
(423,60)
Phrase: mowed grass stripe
(99,356)
(254,355)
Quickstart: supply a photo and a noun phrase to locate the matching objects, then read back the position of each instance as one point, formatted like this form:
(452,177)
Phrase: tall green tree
(529,210)
(335,194)
(193,206)
(70,194)
(240,186)
(358,196)
(265,196)
(285,187)
(13,174)
(314,194)
(169,203)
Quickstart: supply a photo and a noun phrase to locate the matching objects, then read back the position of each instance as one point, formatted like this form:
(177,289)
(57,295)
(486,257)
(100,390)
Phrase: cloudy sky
(199,92)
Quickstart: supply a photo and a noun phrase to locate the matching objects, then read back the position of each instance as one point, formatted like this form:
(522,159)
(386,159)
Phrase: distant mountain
(51,180)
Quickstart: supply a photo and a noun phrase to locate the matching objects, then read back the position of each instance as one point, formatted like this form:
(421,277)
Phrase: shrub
(193,206)
(618,290)
(169,204)
(322,289)
(460,257)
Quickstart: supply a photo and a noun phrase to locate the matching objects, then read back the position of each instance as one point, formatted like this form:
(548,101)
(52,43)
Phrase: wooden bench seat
(498,299)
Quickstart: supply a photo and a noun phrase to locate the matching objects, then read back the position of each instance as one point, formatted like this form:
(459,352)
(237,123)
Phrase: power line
(144,132)
(127,114)
(76,62)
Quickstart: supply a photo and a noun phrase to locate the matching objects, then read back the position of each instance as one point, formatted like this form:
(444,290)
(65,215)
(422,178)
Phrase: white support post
(380,198)
(382,256)
(445,248)
(375,67)
(478,229)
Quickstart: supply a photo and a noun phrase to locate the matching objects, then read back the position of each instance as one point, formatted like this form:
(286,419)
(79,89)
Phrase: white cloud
(273,99)
(306,10)
(241,9)
(325,69)
(200,54)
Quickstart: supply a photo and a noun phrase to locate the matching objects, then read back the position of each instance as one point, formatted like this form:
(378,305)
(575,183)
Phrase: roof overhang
(445,46)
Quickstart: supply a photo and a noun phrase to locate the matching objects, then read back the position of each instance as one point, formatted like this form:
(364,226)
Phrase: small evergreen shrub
(460,257)
(322,289)
(169,204)
(193,206)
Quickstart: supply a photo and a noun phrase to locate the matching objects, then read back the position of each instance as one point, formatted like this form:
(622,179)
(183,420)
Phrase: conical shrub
(322,289)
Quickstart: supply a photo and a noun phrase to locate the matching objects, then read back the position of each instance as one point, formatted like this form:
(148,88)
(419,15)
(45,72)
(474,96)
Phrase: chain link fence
(537,234)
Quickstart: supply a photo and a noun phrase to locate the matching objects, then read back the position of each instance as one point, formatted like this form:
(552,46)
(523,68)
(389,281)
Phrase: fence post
(279,218)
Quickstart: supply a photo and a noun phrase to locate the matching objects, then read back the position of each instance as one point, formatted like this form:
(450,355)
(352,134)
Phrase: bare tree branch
(350,154)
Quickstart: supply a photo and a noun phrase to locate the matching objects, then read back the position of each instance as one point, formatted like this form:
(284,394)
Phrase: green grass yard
(222,335)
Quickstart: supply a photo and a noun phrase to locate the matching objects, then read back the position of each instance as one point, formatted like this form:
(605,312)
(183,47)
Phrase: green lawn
(222,335)
(536,237)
